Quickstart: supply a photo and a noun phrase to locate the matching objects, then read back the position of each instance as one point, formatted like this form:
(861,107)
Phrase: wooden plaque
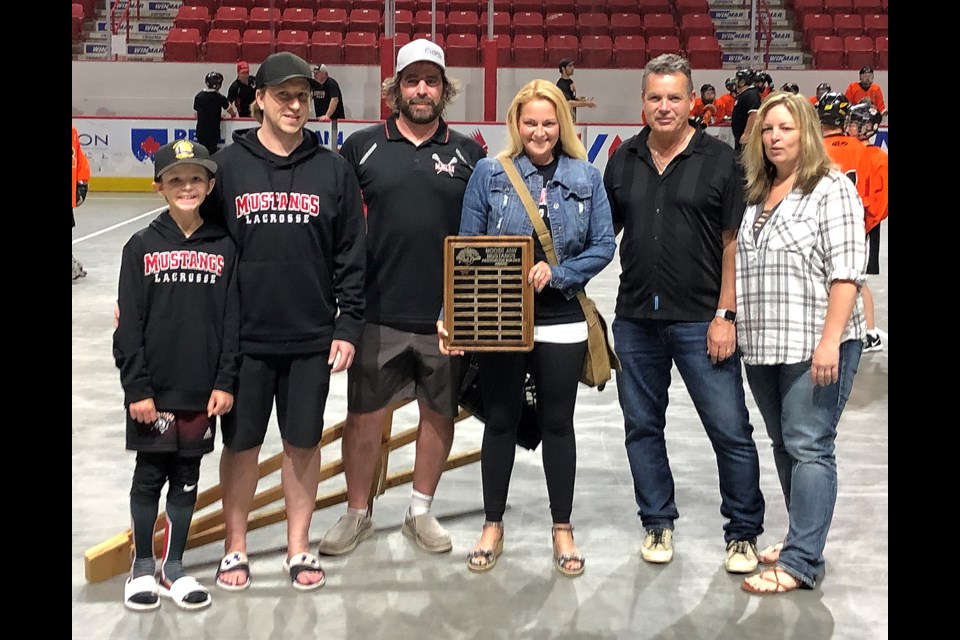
(487,303)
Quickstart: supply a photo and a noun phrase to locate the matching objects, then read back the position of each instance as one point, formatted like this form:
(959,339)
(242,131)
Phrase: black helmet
(791,87)
(746,75)
(707,87)
(867,118)
(730,83)
(824,86)
(766,77)
(832,107)
(214,80)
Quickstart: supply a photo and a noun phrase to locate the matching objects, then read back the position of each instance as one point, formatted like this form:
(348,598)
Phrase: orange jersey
(708,113)
(81,168)
(855,94)
(724,106)
(814,100)
(857,163)
(877,212)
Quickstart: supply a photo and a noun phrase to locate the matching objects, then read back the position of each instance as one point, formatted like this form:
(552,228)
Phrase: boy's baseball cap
(279,67)
(317,68)
(421,50)
(243,66)
(180,152)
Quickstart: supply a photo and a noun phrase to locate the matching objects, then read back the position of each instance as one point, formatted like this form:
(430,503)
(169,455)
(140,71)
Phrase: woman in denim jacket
(544,147)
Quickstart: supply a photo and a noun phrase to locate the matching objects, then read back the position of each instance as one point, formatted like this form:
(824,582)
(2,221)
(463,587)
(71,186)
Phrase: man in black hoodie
(413,171)
(295,211)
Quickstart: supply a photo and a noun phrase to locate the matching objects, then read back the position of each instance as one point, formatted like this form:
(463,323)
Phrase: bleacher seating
(814,25)
(559,46)
(828,52)
(264,19)
(182,45)
(501,23)
(193,17)
(847,24)
(658,45)
(659,24)
(297,19)
(528,50)
(880,42)
(256,44)
(804,7)
(875,24)
(596,51)
(563,23)
(326,47)
(626,24)
(462,50)
(704,52)
(360,47)
(527,23)
(696,24)
(462,22)
(230,17)
(692,6)
(78,16)
(295,41)
(593,23)
(222,45)
(835,7)
(367,20)
(629,52)
(860,52)
(864,7)
(330,19)
(654,6)
(423,19)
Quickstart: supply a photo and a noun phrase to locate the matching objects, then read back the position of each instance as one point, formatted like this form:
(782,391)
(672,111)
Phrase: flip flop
(141,594)
(186,593)
(778,586)
(304,562)
(235,561)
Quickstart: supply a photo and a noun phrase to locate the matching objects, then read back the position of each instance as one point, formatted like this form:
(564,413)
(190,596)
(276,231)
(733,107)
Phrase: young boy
(177,348)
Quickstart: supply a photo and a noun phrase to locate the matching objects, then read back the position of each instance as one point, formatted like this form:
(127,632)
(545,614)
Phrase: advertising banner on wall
(120,150)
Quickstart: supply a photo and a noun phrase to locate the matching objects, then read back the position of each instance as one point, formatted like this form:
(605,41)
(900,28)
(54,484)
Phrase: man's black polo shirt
(671,249)
(413,198)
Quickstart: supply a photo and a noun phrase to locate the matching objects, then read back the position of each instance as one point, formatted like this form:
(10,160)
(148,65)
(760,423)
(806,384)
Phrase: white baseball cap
(421,50)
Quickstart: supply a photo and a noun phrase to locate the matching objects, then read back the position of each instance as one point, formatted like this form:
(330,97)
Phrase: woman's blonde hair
(568,143)
(813,163)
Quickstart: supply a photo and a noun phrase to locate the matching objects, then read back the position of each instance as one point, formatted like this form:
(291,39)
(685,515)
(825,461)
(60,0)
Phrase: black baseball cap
(279,67)
(180,152)
(867,69)
(564,62)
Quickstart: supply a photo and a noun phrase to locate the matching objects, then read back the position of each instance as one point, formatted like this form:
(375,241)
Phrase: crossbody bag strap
(543,234)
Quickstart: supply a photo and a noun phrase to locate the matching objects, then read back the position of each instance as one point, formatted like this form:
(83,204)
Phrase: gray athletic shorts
(298,384)
(392,365)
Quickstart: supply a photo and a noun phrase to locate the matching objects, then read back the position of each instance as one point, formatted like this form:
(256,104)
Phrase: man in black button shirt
(413,172)
(677,194)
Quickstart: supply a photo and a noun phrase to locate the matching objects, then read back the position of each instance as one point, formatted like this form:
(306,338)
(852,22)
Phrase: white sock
(357,512)
(419,503)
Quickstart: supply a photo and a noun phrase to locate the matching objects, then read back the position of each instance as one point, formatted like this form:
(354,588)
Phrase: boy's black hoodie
(177,339)
(300,233)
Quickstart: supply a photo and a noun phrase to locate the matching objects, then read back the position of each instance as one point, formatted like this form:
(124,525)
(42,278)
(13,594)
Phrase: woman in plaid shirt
(801,260)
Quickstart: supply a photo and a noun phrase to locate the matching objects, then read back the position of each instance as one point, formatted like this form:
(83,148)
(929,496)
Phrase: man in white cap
(327,99)
(413,170)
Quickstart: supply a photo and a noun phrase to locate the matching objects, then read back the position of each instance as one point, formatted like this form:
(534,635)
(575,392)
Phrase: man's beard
(418,117)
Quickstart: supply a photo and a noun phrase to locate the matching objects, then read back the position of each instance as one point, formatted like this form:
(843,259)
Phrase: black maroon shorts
(298,384)
(189,433)
(873,251)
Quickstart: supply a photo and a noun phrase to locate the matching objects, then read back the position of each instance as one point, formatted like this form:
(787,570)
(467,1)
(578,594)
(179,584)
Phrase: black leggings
(555,369)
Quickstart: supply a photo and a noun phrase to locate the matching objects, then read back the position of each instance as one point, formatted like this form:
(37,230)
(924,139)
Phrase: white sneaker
(742,556)
(657,546)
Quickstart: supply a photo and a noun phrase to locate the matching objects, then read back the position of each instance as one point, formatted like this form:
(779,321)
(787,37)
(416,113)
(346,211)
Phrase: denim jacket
(580,219)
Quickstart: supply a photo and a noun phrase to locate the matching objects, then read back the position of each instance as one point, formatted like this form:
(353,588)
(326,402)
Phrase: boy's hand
(341,355)
(144,411)
(220,403)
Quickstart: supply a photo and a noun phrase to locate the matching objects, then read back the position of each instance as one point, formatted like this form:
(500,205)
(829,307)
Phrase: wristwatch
(726,314)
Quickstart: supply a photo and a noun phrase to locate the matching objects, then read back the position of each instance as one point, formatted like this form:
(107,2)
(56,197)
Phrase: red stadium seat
(596,52)
(564,23)
(504,49)
(828,52)
(264,19)
(531,6)
(626,24)
(462,50)
(305,4)
(659,24)
(696,24)
(462,22)
(525,23)
(403,21)
(374,5)
(880,42)
(422,22)
(280,5)
(211,5)
(193,17)
(704,52)
(78,17)
(463,5)
(295,41)
(835,7)
(404,5)
(847,24)
(222,45)
(228,17)
(528,50)
(593,24)
(658,45)
(367,20)
(621,6)
(501,23)
(654,6)
(816,24)
(256,44)
(561,45)
(629,52)
(360,47)
(297,19)
(182,45)
(326,47)
(246,4)
(804,7)
(865,7)
(330,19)
(875,25)
(692,6)
(555,6)
(860,52)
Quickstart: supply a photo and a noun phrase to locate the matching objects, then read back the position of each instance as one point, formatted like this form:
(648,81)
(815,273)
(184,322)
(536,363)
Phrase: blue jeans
(648,350)
(801,420)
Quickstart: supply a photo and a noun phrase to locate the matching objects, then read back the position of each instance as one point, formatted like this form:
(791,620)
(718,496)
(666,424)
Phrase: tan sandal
(770,582)
(563,558)
(489,556)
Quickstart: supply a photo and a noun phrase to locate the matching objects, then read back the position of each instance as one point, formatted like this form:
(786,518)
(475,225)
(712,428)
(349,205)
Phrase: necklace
(661,160)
